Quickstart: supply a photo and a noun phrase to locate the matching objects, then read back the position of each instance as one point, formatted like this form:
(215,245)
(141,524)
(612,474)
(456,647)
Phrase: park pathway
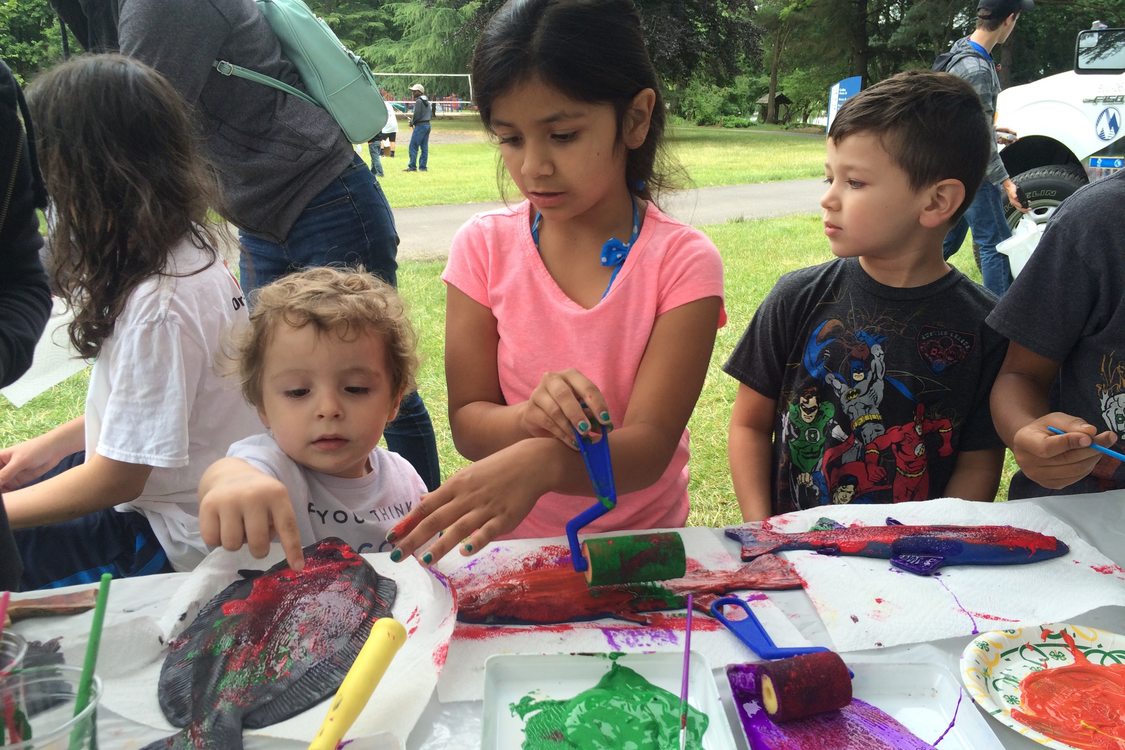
(426,232)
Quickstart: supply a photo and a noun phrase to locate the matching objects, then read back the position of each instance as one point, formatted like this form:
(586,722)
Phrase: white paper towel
(866,603)
(471,645)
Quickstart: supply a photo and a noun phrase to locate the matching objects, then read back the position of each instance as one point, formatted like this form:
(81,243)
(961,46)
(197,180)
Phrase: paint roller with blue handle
(637,558)
(794,683)
(600,468)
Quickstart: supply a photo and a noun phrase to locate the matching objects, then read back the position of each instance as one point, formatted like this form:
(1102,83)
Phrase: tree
(30,39)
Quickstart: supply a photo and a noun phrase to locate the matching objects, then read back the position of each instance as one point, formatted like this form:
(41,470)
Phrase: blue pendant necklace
(614,251)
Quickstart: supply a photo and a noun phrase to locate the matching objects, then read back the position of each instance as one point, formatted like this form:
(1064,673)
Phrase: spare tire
(1045,188)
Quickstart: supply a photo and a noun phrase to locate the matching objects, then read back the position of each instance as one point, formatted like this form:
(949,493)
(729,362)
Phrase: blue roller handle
(600,468)
(751,632)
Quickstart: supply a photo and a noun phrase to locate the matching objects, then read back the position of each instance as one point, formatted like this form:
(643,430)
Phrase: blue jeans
(990,227)
(419,139)
(347,224)
(373,150)
(81,549)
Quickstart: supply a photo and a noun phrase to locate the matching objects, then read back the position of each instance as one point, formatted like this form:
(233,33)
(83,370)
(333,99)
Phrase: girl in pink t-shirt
(580,307)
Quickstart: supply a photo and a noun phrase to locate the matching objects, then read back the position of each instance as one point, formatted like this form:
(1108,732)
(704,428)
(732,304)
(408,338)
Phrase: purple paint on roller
(858,726)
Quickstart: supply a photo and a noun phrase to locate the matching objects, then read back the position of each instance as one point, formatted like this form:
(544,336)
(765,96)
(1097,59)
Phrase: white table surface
(1099,519)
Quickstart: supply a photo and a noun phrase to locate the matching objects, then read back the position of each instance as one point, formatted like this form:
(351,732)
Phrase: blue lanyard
(614,251)
(983,52)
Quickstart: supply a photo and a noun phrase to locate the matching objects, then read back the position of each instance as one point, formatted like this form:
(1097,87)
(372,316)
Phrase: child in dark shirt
(866,379)
(1065,367)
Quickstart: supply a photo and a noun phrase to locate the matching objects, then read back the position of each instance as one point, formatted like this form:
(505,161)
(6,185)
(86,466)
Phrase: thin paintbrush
(1099,448)
(684,680)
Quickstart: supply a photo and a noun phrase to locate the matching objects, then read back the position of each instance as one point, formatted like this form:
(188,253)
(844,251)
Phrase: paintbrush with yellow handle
(387,637)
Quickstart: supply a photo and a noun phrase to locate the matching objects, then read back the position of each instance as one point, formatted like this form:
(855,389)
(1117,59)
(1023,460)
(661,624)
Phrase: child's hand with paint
(562,403)
(1057,461)
(240,505)
(479,503)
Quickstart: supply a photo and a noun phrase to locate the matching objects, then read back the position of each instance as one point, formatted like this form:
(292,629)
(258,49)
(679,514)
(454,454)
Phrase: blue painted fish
(270,646)
(915,549)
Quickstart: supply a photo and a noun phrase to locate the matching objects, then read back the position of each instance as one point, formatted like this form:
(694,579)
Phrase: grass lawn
(755,254)
(463,163)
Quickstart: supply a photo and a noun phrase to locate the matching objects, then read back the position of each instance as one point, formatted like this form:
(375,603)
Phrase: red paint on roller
(804,685)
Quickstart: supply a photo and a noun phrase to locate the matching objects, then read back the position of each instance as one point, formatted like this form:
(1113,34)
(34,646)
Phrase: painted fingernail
(427,558)
(583,426)
(441,533)
(392,537)
(468,546)
(604,416)
(396,554)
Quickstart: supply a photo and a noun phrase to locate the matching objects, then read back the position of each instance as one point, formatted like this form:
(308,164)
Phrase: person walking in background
(972,61)
(420,118)
(387,135)
(25,297)
(291,182)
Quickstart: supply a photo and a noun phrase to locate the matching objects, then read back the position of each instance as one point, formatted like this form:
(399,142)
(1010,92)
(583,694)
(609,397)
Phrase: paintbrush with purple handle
(684,680)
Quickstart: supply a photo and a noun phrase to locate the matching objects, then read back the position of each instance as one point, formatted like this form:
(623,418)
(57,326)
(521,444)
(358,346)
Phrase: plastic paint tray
(508,678)
(923,697)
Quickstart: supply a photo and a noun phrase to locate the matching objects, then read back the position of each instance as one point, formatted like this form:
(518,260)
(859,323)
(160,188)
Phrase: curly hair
(127,180)
(346,302)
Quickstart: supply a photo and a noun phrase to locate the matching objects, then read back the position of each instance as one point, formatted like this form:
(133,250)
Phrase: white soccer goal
(452,93)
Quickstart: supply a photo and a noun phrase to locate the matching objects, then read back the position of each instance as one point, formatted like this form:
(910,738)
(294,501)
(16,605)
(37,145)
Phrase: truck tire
(1045,188)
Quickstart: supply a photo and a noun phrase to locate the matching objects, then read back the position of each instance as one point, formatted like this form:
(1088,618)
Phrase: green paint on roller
(635,558)
(624,710)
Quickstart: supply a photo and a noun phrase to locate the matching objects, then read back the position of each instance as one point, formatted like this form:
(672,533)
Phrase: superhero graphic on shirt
(907,445)
(806,426)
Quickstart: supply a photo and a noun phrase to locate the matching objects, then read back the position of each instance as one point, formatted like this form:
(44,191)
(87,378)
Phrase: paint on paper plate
(1060,685)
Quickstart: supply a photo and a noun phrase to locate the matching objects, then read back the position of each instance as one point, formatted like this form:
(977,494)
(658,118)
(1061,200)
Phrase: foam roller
(801,686)
(634,558)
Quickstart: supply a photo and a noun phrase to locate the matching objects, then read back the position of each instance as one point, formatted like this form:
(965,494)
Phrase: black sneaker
(423,169)
(410,169)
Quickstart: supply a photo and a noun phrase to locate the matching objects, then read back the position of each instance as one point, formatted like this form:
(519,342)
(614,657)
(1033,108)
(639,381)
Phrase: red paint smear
(473,632)
(994,618)
(542,588)
(407,524)
(878,600)
(440,654)
(1081,704)
(1108,570)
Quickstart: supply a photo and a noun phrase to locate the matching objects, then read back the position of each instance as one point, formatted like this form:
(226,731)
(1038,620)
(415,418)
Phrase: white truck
(1070,127)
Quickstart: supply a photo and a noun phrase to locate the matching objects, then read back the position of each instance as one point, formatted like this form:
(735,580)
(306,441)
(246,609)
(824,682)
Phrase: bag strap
(230,69)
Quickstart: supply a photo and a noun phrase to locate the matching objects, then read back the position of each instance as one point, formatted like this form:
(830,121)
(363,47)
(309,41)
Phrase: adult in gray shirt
(298,193)
(972,61)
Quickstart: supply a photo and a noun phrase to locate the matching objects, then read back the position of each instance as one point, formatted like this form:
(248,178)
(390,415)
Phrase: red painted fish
(543,588)
(915,549)
(270,646)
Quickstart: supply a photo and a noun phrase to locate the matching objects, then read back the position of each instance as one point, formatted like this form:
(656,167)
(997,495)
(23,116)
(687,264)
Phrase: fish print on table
(543,588)
(915,549)
(270,646)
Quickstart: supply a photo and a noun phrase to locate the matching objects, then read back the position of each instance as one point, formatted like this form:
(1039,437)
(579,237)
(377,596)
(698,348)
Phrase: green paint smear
(624,711)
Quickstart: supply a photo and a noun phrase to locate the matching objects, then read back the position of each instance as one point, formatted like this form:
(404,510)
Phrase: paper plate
(993,664)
